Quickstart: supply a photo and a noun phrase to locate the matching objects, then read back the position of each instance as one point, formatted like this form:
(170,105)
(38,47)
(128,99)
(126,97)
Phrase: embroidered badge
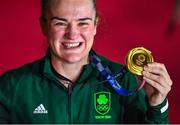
(102,104)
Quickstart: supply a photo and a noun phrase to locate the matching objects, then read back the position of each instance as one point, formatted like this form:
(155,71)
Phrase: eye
(60,24)
(83,23)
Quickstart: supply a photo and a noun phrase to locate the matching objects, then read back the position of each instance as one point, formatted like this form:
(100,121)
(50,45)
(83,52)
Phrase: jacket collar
(48,71)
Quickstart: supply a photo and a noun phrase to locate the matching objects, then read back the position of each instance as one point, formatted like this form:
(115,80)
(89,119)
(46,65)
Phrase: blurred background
(125,24)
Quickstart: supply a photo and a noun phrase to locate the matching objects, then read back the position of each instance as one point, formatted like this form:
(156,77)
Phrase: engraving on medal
(137,58)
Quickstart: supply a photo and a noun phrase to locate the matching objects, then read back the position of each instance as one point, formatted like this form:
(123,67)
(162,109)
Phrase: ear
(97,19)
(43,24)
(96,23)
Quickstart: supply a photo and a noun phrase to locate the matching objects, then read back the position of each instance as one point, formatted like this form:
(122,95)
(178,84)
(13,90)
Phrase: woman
(65,86)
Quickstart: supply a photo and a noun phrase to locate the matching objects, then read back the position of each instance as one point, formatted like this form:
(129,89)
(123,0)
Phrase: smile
(71,45)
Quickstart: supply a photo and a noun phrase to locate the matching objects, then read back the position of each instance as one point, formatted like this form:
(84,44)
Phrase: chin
(76,60)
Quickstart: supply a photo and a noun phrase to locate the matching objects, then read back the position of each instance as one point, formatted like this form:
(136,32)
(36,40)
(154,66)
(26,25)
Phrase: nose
(72,32)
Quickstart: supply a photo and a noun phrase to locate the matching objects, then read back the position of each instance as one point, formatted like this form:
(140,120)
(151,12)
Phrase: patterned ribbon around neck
(95,61)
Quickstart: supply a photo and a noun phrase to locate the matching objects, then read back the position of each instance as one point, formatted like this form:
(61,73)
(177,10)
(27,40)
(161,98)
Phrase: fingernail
(144,73)
(145,67)
(149,64)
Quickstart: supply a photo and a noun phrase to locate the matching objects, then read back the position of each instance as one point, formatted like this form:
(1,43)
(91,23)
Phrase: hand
(158,82)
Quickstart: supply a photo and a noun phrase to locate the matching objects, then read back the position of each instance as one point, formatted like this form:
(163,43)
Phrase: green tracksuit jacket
(33,94)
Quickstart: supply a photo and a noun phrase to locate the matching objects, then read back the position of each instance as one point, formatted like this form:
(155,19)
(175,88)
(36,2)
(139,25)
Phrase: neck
(71,71)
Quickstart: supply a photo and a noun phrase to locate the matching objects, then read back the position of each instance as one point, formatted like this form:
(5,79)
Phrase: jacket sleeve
(137,108)
(4,101)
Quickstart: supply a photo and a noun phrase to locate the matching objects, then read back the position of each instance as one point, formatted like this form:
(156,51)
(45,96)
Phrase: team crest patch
(102,102)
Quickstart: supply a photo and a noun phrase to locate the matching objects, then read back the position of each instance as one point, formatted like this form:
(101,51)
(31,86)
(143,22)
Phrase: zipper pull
(69,89)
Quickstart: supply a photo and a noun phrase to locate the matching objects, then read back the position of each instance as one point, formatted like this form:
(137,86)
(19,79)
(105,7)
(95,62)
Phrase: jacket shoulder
(27,69)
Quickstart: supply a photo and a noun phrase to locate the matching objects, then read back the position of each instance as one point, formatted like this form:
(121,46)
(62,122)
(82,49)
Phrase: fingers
(157,76)
(157,84)
(153,78)
(158,72)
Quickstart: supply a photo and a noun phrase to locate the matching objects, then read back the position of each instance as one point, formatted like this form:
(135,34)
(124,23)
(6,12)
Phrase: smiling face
(70,29)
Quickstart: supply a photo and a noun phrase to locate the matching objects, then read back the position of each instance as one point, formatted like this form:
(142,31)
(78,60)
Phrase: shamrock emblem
(102,99)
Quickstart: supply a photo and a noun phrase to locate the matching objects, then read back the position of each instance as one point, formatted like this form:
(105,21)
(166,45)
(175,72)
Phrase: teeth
(71,45)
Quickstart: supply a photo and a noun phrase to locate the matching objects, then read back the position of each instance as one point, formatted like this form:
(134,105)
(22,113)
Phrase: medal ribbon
(110,78)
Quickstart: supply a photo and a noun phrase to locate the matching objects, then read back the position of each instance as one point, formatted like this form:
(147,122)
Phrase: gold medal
(137,58)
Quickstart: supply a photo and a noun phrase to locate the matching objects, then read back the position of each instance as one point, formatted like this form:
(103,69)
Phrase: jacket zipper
(69,103)
(69,96)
